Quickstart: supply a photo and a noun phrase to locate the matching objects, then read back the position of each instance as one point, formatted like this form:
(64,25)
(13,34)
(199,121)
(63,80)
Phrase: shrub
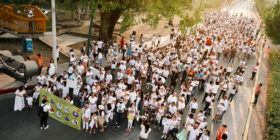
(273,103)
(272,22)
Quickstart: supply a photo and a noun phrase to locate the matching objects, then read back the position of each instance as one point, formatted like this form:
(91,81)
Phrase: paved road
(25,124)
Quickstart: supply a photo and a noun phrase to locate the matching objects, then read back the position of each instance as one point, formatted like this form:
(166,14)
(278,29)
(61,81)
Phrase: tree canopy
(130,12)
(272,22)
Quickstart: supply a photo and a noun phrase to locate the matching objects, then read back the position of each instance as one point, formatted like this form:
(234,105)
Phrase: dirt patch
(14,45)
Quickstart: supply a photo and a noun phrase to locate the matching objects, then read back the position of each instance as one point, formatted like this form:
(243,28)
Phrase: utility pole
(54,33)
(90,26)
(89,32)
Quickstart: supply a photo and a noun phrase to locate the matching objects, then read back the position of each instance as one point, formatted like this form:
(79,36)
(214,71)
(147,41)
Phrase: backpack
(40,110)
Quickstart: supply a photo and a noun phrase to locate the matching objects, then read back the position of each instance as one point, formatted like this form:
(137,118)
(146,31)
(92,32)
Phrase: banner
(62,110)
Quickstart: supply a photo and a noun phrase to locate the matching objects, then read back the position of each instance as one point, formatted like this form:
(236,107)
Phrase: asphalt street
(25,124)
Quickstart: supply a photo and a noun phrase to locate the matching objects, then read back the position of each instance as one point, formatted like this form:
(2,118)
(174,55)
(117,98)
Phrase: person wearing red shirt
(257,93)
(39,60)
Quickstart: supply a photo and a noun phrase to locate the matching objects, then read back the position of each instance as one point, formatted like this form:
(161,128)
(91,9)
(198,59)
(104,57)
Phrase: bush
(272,22)
(273,110)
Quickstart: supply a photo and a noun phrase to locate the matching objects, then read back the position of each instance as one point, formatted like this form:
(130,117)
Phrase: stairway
(20,24)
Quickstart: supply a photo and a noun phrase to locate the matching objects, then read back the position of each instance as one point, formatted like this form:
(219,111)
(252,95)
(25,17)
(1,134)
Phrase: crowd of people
(158,87)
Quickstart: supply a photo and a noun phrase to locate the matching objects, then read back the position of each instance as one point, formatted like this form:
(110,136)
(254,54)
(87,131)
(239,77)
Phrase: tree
(131,12)
(272,22)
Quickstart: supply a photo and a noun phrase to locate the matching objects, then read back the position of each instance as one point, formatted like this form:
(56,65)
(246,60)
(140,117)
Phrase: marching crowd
(155,87)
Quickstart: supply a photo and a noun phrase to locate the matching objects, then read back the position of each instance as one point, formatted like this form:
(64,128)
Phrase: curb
(13,89)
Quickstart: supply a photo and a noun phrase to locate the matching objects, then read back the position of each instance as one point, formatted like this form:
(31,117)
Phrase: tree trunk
(107,23)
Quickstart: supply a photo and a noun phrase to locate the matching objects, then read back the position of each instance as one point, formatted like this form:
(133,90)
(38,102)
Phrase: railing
(21,23)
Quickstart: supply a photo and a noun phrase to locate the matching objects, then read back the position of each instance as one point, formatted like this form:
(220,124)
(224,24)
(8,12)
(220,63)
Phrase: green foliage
(7,2)
(135,11)
(189,21)
(273,110)
(272,22)
(206,4)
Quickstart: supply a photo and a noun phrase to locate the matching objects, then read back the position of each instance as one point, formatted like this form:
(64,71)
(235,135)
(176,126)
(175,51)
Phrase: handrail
(20,24)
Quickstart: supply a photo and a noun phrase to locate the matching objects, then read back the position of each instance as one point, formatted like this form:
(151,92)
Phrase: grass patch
(273,100)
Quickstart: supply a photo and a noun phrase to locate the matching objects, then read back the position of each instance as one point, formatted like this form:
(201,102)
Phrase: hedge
(273,103)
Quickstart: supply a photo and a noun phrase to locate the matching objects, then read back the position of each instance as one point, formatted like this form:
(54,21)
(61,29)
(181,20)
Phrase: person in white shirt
(224,89)
(44,114)
(29,101)
(172,108)
(166,122)
(172,98)
(120,111)
(229,70)
(19,99)
(205,135)
(52,68)
(41,79)
(233,91)
(36,93)
(193,106)
(89,74)
(99,46)
(145,130)
(130,80)
(80,68)
(72,60)
(216,88)
(193,132)
(208,89)
(86,117)
(99,59)
(154,40)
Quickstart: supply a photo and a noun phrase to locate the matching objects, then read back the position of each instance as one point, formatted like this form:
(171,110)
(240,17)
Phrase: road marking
(245,134)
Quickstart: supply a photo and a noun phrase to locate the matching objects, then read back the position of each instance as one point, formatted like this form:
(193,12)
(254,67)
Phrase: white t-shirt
(130,79)
(80,69)
(143,133)
(29,100)
(204,137)
(99,44)
(193,133)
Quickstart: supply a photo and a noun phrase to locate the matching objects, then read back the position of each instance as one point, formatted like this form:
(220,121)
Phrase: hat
(101,107)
